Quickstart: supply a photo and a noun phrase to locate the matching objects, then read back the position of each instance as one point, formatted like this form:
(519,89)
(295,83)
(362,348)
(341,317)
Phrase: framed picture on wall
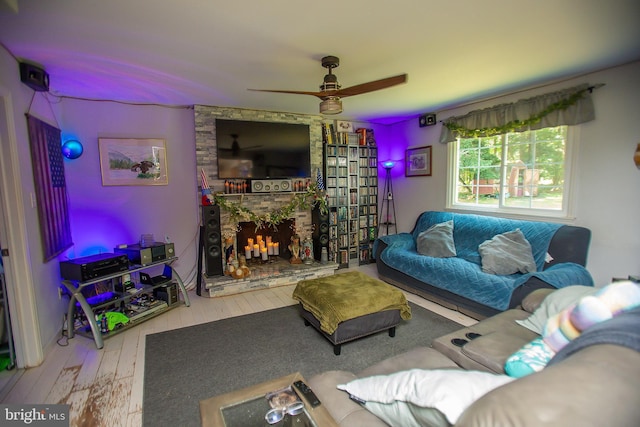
(132,161)
(418,161)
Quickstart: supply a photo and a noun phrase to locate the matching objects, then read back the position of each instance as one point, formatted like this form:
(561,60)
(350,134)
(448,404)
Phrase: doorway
(14,242)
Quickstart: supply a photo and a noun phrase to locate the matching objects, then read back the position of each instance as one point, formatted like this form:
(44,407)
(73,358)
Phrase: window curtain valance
(566,107)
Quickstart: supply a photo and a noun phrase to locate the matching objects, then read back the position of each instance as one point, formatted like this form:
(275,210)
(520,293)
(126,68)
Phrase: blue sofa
(459,283)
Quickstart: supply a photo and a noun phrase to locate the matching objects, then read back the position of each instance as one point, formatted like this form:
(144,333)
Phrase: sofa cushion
(553,304)
(419,357)
(507,253)
(437,241)
(448,391)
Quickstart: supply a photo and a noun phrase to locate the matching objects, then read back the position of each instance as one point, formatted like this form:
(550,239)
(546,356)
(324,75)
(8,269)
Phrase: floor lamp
(388,207)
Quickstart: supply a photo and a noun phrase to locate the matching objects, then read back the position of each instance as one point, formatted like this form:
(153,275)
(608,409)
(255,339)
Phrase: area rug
(184,366)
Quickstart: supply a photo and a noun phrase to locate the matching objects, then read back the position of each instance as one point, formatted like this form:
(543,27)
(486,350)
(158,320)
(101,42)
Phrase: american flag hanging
(319,180)
(50,187)
(203,178)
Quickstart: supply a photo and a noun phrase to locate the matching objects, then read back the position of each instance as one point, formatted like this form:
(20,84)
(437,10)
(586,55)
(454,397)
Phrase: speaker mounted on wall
(34,77)
(428,119)
(212,242)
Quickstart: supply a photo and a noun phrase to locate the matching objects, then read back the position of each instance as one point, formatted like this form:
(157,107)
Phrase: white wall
(608,190)
(103,217)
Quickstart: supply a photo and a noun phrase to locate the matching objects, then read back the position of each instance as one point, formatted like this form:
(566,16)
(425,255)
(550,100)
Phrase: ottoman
(347,306)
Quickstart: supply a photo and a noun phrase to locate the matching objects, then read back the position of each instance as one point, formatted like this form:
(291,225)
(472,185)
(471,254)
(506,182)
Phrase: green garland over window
(302,200)
(515,125)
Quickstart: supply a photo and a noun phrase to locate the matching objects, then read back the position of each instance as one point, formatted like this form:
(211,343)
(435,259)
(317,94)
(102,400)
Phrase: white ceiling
(210,52)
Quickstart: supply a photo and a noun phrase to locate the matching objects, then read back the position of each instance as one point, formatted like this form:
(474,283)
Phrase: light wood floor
(104,387)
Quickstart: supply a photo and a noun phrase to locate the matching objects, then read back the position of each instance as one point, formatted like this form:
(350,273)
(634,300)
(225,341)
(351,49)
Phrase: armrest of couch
(402,240)
(569,244)
(597,386)
(500,337)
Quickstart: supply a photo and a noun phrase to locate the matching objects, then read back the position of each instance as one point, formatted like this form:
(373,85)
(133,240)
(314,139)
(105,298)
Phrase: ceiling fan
(235,146)
(331,93)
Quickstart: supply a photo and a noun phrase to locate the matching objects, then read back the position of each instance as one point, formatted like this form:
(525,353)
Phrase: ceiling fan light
(331,106)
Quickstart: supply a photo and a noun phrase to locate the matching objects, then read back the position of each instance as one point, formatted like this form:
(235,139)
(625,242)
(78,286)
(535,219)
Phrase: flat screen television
(262,150)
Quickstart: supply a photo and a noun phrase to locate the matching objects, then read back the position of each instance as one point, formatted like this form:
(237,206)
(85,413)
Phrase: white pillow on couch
(445,392)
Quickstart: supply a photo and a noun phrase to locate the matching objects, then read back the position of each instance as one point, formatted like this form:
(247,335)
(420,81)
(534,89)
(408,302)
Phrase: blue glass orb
(72,149)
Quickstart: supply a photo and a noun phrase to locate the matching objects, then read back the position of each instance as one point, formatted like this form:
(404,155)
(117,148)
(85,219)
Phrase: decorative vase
(307,251)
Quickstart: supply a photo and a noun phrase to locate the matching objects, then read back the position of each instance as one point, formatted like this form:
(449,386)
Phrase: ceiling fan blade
(371,86)
(297,92)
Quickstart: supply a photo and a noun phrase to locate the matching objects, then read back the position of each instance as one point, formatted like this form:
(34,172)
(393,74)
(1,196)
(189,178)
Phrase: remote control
(308,394)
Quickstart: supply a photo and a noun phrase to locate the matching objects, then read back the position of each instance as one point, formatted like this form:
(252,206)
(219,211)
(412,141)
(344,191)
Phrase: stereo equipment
(167,293)
(136,312)
(34,77)
(320,234)
(93,266)
(212,241)
(270,185)
(144,255)
(146,279)
(123,287)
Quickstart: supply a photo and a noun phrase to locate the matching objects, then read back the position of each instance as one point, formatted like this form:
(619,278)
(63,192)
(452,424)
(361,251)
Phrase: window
(520,172)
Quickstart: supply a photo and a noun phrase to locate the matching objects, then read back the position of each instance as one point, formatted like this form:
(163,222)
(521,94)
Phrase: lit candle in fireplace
(256,250)
(250,242)
(276,248)
(247,252)
(265,256)
(270,248)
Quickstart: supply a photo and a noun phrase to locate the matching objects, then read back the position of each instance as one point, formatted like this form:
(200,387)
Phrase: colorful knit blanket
(570,323)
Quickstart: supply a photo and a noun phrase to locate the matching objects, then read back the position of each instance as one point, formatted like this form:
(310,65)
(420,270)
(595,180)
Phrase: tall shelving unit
(368,209)
(352,191)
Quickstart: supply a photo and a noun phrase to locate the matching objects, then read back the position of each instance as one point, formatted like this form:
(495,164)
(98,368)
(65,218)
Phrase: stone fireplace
(206,160)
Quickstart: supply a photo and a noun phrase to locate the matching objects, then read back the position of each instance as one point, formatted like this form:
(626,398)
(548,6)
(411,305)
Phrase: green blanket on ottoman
(345,296)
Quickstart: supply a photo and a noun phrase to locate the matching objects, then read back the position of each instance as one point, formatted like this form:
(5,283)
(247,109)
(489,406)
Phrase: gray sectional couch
(461,283)
(595,383)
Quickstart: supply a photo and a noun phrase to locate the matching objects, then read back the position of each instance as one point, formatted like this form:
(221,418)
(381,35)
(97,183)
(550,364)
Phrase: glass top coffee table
(247,407)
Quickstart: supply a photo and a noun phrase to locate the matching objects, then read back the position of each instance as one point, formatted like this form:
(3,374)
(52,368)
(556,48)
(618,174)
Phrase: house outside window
(520,173)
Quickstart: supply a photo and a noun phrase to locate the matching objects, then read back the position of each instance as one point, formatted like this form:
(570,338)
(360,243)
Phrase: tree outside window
(514,171)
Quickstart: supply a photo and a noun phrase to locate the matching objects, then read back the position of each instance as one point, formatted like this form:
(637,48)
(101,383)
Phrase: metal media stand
(91,328)
(388,209)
